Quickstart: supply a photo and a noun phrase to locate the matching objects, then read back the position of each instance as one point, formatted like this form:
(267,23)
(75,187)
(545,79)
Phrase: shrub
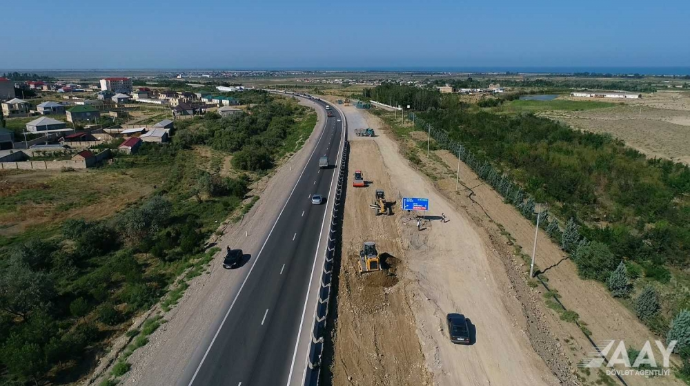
(618,282)
(647,304)
(121,368)
(594,261)
(657,272)
(79,307)
(680,331)
(107,314)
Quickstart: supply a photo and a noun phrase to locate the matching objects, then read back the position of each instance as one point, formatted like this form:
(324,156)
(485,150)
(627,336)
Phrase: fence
(510,191)
(319,328)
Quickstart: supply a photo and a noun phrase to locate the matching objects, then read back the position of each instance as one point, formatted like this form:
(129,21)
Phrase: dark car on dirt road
(458,330)
(233,258)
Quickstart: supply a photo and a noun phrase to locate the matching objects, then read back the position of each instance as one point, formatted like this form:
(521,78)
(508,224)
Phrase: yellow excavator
(369,260)
(381,205)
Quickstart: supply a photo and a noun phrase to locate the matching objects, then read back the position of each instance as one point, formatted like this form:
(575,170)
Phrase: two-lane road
(255,343)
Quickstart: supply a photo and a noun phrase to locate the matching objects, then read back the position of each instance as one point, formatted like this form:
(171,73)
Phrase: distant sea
(529,70)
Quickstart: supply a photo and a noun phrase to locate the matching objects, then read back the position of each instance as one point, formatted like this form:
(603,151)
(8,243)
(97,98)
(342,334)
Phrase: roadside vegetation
(73,277)
(623,219)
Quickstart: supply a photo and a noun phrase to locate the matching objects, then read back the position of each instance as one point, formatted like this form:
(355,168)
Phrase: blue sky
(128,34)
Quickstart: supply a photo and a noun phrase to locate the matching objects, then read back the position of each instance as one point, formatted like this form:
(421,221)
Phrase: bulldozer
(369,259)
(380,204)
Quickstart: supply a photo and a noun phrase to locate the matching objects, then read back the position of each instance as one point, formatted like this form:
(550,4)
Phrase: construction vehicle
(368,132)
(369,260)
(358,181)
(381,205)
(347,101)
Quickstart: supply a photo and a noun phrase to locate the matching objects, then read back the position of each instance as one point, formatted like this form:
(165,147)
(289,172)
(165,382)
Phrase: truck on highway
(323,162)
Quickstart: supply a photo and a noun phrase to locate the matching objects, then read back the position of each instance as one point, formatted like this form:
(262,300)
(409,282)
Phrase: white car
(316,199)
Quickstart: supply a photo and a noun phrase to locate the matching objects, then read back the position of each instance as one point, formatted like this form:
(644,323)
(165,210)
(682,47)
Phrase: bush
(657,272)
(138,296)
(121,368)
(680,331)
(107,314)
(618,282)
(594,261)
(647,305)
(79,307)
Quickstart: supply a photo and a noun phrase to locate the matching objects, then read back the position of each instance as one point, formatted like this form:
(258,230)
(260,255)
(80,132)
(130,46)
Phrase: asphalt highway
(256,340)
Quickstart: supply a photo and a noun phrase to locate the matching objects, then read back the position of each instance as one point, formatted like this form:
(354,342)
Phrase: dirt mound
(379,279)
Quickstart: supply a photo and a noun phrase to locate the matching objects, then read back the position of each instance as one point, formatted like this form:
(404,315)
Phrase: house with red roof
(130,146)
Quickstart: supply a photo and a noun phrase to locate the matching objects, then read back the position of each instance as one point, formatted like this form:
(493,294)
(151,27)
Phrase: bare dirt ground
(605,317)
(658,125)
(189,326)
(391,329)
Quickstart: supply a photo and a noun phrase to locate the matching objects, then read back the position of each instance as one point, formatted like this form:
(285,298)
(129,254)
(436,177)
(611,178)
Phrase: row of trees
(594,259)
(19,76)
(583,177)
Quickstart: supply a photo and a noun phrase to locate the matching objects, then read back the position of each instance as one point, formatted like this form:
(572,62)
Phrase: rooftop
(116,79)
(16,101)
(160,132)
(163,123)
(50,104)
(86,154)
(43,121)
(130,142)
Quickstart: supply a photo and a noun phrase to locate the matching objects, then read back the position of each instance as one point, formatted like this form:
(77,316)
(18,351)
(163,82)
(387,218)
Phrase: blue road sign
(411,203)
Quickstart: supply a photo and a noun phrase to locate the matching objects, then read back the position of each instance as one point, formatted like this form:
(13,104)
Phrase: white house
(604,94)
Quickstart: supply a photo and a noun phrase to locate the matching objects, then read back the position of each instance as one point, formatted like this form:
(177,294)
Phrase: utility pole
(428,138)
(536,233)
(457,177)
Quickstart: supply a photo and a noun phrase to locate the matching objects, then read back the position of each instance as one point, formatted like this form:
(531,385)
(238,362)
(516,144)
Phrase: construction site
(401,272)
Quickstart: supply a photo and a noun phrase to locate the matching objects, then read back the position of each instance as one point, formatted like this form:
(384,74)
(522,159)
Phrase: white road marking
(264,319)
(215,336)
(309,196)
(302,213)
(314,182)
(293,237)
(239,384)
(281,270)
(313,267)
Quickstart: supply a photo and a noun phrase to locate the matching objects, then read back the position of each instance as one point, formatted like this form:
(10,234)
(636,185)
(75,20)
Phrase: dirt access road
(391,328)
(559,343)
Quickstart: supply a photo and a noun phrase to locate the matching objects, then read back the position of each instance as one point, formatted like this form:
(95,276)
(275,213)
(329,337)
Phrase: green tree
(594,261)
(528,209)
(647,305)
(570,237)
(618,282)
(552,229)
(680,331)
(23,290)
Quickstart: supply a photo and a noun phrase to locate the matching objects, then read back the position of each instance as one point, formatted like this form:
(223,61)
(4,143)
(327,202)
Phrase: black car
(233,258)
(458,330)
